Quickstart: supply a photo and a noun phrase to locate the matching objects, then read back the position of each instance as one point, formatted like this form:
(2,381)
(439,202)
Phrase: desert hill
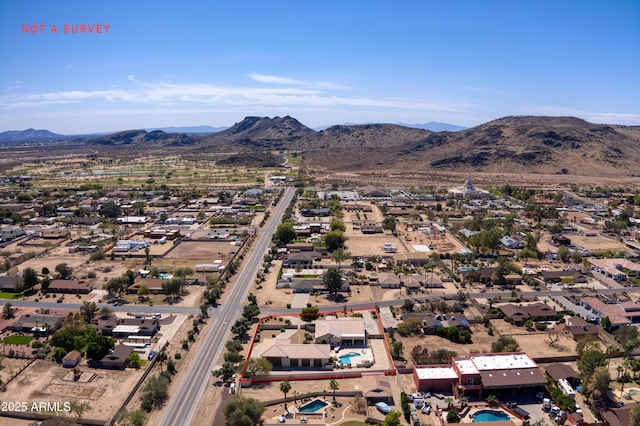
(548,145)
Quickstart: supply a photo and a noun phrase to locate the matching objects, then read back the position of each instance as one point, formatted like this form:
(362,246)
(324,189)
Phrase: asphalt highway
(183,403)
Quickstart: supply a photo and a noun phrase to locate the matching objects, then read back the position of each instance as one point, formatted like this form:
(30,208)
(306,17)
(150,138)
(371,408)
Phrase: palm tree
(285,387)
(492,399)
(463,400)
(448,400)
(333,384)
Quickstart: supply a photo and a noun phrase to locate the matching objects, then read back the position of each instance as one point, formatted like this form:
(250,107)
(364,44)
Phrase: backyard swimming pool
(489,416)
(346,358)
(313,406)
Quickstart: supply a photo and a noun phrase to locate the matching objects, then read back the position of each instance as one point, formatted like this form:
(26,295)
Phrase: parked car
(151,355)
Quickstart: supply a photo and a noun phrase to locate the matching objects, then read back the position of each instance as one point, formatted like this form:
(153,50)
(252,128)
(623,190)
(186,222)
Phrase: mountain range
(516,144)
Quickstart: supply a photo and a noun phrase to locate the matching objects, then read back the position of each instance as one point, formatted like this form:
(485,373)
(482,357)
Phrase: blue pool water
(164,276)
(490,416)
(468,268)
(346,358)
(313,406)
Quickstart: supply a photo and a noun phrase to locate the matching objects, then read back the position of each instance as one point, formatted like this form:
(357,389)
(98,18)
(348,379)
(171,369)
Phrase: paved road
(184,402)
(136,309)
(506,295)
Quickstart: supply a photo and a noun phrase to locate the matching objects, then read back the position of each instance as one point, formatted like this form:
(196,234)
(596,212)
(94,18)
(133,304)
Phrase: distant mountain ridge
(188,129)
(29,135)
(435,126)
(516,144)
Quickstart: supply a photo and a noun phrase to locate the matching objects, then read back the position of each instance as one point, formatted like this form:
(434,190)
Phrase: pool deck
(468,418)
(366,355)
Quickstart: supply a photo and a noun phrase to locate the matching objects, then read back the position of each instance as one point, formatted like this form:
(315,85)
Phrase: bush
(178,355)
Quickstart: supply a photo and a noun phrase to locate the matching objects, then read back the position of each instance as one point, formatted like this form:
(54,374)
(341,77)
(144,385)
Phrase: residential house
(559,276)
(518,314)
(282,354)
(345,332)
(622,313)
(560,240)
(71,286)
(304,259)
(117,358)
(388,280)
(37,324)
(577,328)
(412,282)
(124,327)
(9,283)
(614,267)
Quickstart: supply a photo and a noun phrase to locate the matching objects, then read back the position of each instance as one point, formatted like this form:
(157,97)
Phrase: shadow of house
(117,359)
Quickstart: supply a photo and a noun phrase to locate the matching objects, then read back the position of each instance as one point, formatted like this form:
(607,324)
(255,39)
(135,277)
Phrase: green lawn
(17,340)
(8,295)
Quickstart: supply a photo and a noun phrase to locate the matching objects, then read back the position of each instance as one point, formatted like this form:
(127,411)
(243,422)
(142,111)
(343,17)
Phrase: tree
(337,225)
(117,285)
(29,277)
(333,385)
(410,326)
(8,311)
(250,311)
(285,387)
(88,311)
(505,344)
(99,346)
(156,390)
(589,361)
(135,418)
(605,322)
(392,419)
(339,255)
(234,345)
(396,349)
(564,254)
(258,367)
(172,287)
(240,327)
(389,223)
(64,271)
(105,313)
(453,416)
(334,240)
(599,384)
(285,233)
(310,313)
(134,360)
(332,280)
(225,372)
(243,411)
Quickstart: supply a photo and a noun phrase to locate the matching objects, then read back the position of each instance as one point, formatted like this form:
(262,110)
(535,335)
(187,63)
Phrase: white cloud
(295,94)
(593,117)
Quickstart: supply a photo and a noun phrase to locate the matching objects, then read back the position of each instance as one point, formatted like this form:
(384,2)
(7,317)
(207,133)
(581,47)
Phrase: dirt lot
(45,381)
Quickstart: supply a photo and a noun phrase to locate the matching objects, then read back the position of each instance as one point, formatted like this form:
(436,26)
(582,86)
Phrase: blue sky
(323,62)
